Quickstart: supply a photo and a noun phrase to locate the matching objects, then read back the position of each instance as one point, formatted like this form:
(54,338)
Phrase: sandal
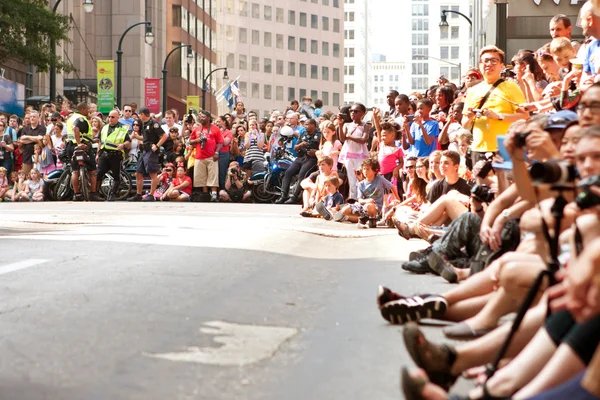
(412,387)
(403,229)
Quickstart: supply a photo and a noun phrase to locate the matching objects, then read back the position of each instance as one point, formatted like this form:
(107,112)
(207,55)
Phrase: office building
(281,51)
(357,52)
(388,76)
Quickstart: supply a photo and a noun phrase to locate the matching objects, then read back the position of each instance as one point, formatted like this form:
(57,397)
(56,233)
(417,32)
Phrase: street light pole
(149,39)
(459,65)
(206,79)
(444,21)
(190,58)
(88,6)
(501,15)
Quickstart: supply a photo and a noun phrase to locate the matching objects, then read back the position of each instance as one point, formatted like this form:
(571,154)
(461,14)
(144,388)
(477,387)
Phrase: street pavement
(197,301)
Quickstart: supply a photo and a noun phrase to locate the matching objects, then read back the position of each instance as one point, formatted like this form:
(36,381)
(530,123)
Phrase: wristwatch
(506,214)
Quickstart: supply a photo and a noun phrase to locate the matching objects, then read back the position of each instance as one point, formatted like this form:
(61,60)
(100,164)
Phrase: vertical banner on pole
(193,102)
(106,85)
(152,94)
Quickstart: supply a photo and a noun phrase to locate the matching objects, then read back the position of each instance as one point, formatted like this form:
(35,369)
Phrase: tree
(26,28)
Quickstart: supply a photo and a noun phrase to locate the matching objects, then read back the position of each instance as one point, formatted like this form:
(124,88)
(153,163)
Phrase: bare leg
(499,305)
(139,183)
(154,183)
(448,205)
(477,285)
(467,308)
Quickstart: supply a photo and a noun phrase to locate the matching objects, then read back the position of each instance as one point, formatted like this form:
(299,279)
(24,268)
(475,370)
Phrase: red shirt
(188,188)
(213,137)
(226,134)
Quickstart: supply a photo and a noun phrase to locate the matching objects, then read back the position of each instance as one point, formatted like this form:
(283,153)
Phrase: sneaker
(323,211)
(213,197)
(441,266)
(291,200)
(414,309)
(280,200)
(372,223)
(360,225)
(306,214)
(418,267)
(110,197)
(94,197)
(135,197)
(385,295)
(149,198)
(78,197)
(340,217)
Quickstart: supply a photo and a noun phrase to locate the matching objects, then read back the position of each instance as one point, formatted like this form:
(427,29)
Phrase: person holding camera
(235,185)
(208,141)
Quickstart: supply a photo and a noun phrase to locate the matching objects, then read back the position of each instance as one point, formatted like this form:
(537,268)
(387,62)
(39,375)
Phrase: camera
(483,193)
(234,171)
(557,173)
(508,73)
(521,139)
(203,140)
(487,167)
(586,199)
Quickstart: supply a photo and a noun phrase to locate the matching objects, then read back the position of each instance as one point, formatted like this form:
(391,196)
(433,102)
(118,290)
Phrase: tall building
(357,52)
(191,22)
(386,76)
(439,50)
(281,51)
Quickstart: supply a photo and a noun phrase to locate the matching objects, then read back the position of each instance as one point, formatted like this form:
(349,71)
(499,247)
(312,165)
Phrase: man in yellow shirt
(494,116)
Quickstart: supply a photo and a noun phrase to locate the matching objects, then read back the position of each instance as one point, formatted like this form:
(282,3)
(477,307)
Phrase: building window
(255,10)
(302,93)
(336,49)
(325,48)
(325,23)
(243,87)
(267,41)
(267,90)
(243,8)
(279,93)
(291,93)
(268,66)
(350,88)
(279,41)
(336,25)
(444,52)
(349,16)
(314,94)
(243,61)
(268,13)
(349,52)
(292,43)
(291,68)
(303,19)
(454,52)
(314,47)
(349,34)
(279,67)
(325,98)
(325,2)
(243,35)
(454,32)
(325,73)
(314,21)
(454,73)
(336,3)
(291,17)
(303,45)
(229,32)
(255,90)
(229,6)
(375,79)
(376,90)
(255,37)
(302,73)
(314,72)
(255,64)
(336,74)
(230,60)
(279,15)
(336,98)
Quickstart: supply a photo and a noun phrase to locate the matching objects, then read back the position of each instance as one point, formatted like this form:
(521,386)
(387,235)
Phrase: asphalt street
(197,301)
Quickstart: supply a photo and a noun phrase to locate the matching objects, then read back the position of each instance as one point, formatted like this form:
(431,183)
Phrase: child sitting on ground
(181,187)
(314,185)
(20,191)
(371,190)
(333,201)
(3,183)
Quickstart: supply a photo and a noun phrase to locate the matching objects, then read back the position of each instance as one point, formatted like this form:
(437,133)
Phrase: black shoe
(441,267)
(149,197)
(94,197)
(372,223)
(78,197)
(110,197)
(414,309)
(291,200)
(385,295)
(419,266)
(417,255)
(280,200)
(135,197)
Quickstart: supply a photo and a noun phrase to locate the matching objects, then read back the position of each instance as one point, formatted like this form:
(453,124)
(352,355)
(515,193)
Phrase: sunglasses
(354,111)
(136,125)
(174,131)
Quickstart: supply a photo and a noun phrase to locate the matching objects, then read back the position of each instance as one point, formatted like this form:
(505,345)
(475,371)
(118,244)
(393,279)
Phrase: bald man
(114,139)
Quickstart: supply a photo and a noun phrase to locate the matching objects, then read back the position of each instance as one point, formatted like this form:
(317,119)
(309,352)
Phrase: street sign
(152,94)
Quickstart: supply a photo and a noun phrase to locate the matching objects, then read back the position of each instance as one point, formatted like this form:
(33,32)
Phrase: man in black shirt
(449,167)
(154,137)
(307,146)
(30,136)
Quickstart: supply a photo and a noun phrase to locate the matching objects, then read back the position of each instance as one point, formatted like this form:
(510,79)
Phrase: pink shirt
(388,157)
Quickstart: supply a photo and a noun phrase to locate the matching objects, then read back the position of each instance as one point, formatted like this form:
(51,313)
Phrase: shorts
(182,192)
(313,176)
(90,164)
(206,173)
(148,163)
(361,211)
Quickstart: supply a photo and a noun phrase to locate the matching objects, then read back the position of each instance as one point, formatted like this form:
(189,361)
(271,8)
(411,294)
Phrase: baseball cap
(560,119)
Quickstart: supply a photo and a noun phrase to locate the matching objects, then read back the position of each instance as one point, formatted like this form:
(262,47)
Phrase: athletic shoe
(414,309)
(149,197)
(416,255)
(323,211)
(385,295)
(78,197)
(419,266)
(340,217)
(135,197)
(360,225)
(440,266)
(213,197)
(306,214)
(94,197)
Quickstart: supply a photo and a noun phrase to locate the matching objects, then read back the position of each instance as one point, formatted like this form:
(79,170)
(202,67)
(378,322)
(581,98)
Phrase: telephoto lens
(557,173)
(587,199)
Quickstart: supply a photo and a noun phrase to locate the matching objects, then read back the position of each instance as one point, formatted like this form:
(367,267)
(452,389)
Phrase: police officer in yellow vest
(79,132)
(114,138)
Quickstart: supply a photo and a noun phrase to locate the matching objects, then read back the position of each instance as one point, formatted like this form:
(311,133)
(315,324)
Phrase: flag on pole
(235,89)
(228,96)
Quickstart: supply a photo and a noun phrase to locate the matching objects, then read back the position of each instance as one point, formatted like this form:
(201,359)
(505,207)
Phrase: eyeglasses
(492,61)
(594,106)
(136,125)
(53,119)
(110,116)
(169,170)
(127,110)
(353,110)
(410,167)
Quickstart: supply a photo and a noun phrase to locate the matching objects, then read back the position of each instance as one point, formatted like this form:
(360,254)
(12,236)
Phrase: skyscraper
(357,52)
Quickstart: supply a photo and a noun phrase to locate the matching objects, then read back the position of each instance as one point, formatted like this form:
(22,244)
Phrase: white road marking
(242,345)
(32,262)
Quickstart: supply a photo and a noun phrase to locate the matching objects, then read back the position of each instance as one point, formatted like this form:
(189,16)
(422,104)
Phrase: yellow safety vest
(112,141)
(71,126)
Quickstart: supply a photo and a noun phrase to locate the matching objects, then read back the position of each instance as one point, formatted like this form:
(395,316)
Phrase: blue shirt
(128,122)
(374,189)
(420,148)
(591,63)
(300,130)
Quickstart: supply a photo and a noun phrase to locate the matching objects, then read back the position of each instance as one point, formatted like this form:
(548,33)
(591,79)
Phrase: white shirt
(166,128)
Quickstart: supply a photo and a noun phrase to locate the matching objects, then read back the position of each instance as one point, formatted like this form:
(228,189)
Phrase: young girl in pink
(329,146)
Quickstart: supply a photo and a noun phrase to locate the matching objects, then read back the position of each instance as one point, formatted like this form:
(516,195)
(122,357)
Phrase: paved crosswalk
(19,265)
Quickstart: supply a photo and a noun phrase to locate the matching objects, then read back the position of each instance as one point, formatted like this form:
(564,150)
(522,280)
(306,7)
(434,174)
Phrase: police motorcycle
(266,185)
